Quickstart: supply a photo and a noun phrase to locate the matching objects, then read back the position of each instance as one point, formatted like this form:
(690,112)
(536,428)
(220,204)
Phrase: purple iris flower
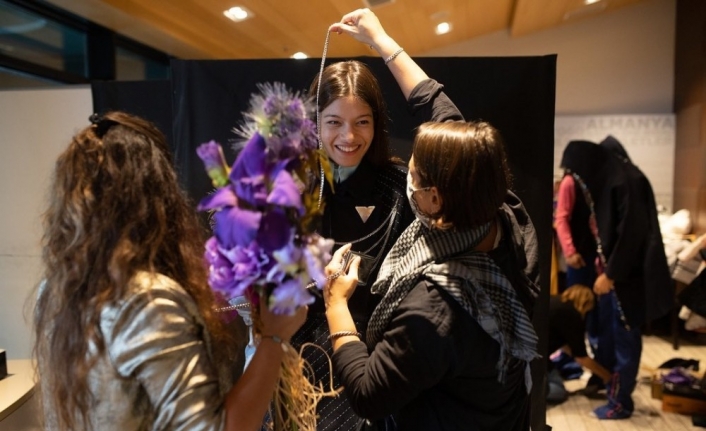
(221,198)
(211,153)
(285,192)
(249,171)
(236,227)
(289,296)
(275,230)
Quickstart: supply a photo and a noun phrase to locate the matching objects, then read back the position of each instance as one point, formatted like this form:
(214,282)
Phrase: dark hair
(353,78)
(115,208)
(466,162)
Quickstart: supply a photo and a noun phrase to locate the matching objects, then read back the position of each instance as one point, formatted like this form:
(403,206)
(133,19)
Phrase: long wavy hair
(115,208)
(353,78)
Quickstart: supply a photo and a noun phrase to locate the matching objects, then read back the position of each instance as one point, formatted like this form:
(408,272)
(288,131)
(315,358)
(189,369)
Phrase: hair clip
(100,124)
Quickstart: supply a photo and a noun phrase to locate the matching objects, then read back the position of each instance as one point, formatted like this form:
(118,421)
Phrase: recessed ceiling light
(588,2)
(237,13)
(443,28)
(299,55)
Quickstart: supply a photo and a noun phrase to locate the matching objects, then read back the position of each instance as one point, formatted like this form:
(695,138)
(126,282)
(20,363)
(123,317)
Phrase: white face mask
(421,216)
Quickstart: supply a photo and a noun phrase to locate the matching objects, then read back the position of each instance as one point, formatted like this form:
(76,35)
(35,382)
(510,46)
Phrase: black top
(435,369)
(566,328)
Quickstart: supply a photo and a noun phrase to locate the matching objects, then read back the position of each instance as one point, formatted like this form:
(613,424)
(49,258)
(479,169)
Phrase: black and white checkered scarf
(472,278)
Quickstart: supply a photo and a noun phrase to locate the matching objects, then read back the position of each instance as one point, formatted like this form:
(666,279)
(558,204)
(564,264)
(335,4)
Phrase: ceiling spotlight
(237,13)
(299,55)
(443,28)
(588,2)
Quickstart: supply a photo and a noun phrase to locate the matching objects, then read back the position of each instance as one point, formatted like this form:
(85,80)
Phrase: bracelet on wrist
(276,339)
(340,334)
(394,55)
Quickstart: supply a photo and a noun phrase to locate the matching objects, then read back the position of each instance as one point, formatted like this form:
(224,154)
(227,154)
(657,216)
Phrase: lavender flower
(288,296)
(317,254)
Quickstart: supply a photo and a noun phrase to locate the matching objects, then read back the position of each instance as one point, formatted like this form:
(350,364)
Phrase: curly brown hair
(115,208)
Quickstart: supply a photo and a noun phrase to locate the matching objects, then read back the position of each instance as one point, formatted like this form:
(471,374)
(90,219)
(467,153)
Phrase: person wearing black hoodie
(657,281)
(618,202)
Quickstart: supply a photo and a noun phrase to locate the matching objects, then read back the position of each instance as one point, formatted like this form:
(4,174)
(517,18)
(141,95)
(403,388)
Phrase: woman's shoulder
(144,282)
(149,292)
(428,301)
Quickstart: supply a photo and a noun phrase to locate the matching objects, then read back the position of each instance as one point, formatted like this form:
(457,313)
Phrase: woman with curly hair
(127,336)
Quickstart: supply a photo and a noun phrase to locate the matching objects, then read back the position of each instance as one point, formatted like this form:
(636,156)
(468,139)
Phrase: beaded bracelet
(394,55)
(340,334)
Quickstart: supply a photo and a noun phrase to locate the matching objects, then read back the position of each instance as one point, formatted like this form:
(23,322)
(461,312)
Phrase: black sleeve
(429,101)
(630,233)
(414,355)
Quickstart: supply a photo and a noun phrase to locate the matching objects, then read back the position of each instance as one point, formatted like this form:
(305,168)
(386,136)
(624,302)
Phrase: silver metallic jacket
(157,372)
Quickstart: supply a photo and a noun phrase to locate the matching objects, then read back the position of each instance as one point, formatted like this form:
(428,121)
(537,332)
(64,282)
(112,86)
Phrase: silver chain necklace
(318,117)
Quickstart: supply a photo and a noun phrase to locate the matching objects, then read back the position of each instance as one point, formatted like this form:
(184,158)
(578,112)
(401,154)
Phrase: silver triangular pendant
(364,212)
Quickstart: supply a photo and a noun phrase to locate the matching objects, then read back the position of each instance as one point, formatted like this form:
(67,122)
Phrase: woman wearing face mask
(367,206)
(449,345)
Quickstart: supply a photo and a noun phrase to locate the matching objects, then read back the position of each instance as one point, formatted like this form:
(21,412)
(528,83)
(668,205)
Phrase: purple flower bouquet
(265,246)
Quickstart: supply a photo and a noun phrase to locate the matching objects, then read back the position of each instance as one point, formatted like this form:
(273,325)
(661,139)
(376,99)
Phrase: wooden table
(17,387)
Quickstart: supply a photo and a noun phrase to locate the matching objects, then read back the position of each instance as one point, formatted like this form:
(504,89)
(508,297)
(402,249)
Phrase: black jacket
(436,368)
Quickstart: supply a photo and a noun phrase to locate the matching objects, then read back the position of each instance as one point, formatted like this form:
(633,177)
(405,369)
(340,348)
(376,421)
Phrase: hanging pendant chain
(599,244)
(318,117)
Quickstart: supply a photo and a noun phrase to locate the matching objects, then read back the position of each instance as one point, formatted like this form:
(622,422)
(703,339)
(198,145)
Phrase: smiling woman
(366,205)
(347,129)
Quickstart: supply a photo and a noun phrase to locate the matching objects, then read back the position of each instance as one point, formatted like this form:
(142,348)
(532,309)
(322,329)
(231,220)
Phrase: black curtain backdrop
(515,94)
(150,100)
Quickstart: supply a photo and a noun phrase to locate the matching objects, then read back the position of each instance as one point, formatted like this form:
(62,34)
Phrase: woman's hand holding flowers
(281,326)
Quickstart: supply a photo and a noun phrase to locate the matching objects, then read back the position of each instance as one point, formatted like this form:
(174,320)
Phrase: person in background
(623,234)
(567,331)
(449,345)
(126,327)
(657,281)
(636,270)
(576,233)
(367,205)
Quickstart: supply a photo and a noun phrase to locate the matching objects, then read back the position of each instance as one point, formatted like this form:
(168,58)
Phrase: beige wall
(35,126)
(618,63)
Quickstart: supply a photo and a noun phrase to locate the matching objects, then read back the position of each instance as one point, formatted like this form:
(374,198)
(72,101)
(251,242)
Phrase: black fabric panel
(150,100)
